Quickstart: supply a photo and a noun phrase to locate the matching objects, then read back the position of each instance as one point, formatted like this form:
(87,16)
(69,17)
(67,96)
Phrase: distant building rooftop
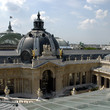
(9,39)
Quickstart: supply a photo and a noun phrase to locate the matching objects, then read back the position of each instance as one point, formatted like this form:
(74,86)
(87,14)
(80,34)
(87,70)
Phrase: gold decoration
(39,93)
(61,52)
(33,53)
(6,91)
(73,91)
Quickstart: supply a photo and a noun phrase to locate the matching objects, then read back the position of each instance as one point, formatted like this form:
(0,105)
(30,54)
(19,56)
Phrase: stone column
(22,85)
(105,82)
(18,84)
(32,83)
(87,77)
(109,83)
(67,80)
(14,85)
(59,83)
(86,73)
(90,74)
(80,78)
(98,80)
(75,78)
(35,83)
(5,82)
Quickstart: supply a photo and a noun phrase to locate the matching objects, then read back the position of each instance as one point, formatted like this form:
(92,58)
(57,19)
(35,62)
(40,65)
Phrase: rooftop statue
(6,91)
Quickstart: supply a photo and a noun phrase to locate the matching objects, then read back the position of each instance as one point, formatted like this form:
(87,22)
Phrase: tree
(81,45)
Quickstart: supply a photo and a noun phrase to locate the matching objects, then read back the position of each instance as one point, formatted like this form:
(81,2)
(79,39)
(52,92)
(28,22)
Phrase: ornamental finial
(6,91)
(38,15)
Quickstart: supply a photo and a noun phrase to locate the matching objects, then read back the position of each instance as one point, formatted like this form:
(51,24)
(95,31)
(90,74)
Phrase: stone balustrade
(18,100)
(35,63)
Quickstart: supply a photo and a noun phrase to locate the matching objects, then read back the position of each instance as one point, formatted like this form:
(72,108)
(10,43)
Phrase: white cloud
(16,23)
(46,0)
(44,17)
(76,14)
(100,14)
(33,16)
(86,24)
(97,1)
(74,3)
(11,4)
(88,7)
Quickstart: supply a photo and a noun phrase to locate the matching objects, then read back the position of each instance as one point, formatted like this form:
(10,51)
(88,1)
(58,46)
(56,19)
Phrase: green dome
(9,37)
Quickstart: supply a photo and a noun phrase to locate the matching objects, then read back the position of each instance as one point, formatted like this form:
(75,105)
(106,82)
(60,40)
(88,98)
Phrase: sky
(86,21)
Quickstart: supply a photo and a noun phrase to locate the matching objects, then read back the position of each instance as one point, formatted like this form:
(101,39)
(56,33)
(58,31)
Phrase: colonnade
(18,85)
(22,85)
(101,80)
(73,79)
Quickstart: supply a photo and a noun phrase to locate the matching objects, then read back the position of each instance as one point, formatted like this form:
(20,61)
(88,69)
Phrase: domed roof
(9,37)
(107,57)
(34,40)
(61,42)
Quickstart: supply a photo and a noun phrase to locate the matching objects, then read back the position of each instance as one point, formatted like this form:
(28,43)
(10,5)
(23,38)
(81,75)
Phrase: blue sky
(87,21)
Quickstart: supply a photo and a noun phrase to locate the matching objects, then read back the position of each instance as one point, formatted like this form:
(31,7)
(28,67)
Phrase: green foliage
(81,45)
(91,48)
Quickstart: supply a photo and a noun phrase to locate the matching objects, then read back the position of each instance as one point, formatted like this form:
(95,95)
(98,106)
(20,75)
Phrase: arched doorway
(47,83)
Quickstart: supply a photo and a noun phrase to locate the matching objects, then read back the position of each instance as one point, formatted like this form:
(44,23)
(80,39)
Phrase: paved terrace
(97,100)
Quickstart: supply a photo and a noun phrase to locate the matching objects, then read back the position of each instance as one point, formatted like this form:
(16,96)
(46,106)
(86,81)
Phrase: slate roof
(8,53)
(66,52)
(77,52)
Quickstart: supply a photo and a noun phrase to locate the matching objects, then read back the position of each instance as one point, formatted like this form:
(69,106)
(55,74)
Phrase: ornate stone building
(101,74)
(39,63)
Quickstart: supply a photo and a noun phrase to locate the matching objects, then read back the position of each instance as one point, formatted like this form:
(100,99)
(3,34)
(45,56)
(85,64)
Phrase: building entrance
(47,84)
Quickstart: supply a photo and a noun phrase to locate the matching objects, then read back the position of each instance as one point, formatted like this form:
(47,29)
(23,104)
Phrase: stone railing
(9,60)
(105,61)
(37,62)
(14,65)
(59,62)
(18,100)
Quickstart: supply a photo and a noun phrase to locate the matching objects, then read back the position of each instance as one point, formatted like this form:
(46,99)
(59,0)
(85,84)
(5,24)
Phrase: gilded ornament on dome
(61,52)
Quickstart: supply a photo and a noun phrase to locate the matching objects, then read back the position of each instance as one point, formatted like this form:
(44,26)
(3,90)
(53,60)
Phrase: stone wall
(27,80)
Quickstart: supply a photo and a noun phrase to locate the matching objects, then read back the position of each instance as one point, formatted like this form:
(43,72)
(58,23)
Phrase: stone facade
(40,63)
(101,75)
(49,76)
